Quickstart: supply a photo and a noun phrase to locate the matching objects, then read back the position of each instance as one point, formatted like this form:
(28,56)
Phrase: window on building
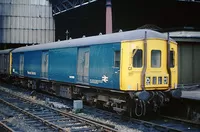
(172,59)
(155,58)
(137,58)
(117,59)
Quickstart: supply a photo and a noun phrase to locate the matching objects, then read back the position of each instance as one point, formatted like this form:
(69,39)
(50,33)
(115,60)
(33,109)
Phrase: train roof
(94,40)
(5,51)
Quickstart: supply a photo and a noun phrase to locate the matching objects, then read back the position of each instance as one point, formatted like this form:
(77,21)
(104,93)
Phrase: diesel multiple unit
(131,71)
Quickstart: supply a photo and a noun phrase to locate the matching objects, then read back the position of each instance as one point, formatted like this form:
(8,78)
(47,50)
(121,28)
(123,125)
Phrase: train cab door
(132,64)
(83,65)
(21,64)
(116,69)
(137,65)
(45,64)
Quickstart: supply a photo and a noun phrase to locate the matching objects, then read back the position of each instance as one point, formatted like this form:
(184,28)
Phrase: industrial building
(24,22)
(188,55)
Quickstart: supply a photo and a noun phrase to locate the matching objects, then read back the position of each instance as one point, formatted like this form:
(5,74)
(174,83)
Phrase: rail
(4,127)
(53,118)
(164,123)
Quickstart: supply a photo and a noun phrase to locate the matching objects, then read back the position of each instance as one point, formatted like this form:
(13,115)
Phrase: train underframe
(139,103)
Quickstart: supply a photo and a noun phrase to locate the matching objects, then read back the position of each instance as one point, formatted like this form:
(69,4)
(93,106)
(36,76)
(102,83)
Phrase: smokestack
(108,16)
(67,34)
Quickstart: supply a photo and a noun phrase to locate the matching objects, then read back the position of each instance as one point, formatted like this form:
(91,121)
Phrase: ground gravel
(122,126)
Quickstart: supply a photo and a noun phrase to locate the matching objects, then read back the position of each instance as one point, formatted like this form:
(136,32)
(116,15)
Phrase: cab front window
(155,58)
(137,58)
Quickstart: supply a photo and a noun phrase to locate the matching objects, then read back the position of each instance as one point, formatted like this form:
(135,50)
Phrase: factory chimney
(108,16)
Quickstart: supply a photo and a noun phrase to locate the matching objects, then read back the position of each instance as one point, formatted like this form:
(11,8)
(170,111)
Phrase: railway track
(169,124)
(159,123)
(162,123)
(49,119)
(4,127)
(10,115)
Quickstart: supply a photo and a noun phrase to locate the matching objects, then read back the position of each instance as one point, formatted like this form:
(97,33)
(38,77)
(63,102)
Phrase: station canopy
(61,6)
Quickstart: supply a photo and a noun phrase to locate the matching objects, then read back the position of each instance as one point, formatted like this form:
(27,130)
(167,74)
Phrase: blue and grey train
(131,71)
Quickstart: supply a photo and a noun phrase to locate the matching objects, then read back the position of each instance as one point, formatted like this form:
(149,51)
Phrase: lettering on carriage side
(71,77)
(31,73)
(104,78)
(94,81)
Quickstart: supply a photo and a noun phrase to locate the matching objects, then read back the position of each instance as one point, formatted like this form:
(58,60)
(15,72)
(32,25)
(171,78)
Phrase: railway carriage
(5,62)
(128,71)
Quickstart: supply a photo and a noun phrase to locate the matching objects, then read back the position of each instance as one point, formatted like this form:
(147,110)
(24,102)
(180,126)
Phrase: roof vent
(150,26)
(120,30)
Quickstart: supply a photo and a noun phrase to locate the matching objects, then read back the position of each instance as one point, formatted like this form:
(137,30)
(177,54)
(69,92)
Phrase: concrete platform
(193,94)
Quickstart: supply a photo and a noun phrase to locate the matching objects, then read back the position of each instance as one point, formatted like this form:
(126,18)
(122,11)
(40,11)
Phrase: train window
(172,59)
(117,59)
(155,58)
(137,58)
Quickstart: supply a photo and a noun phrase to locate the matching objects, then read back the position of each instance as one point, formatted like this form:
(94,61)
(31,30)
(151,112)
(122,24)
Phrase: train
(133,72)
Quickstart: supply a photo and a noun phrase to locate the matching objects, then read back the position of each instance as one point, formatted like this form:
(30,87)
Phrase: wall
(189,63)
(26,22)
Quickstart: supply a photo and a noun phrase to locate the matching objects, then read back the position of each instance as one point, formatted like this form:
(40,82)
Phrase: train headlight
(148,80)
(154,81)
(165,80)
(159,80)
